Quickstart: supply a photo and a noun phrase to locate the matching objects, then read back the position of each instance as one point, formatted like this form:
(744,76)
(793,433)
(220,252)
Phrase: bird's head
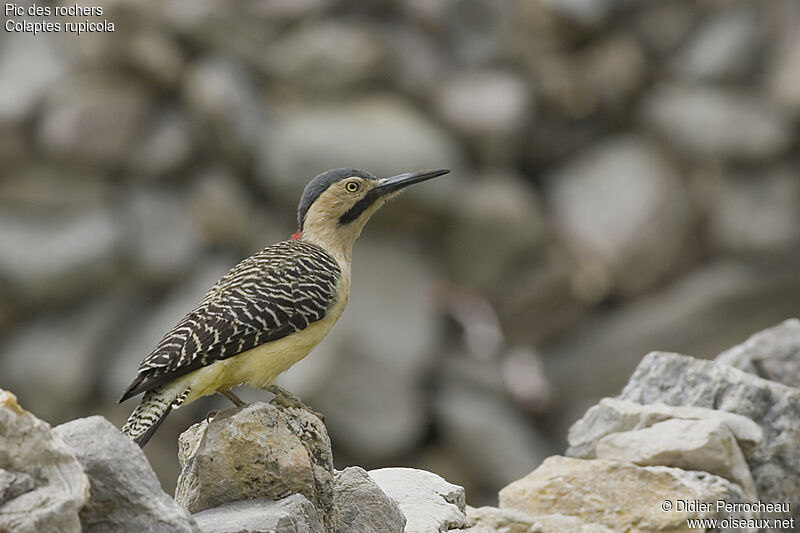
(336,204)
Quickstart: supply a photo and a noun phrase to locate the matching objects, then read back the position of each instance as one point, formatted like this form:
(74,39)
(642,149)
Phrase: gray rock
(157,54)
(30,447)
(704,445)
(69,342)
(224,212)
(165,242)
(465,416)
(12,484)
(702,312)
(328,54)
(125,493)
(58,257)
(680,380)
(94,118)
(499,215)
(756,213)
(381,134)
(29,66)
(224,94)
(585,13)
(725,47)
(772,354)
(258,451)
(489,106)
(46,188)
(429,503)
(146,328)
(623,213)
(293,514)
(612,415)
(166,147)
(783,77)
(716,122)
(372,392)
(363,506)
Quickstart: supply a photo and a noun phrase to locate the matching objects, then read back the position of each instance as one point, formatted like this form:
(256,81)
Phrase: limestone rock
(493,519)
(429,503)
(165,242)
(756,212)
(60,256)
(680,380)
(125,495)
(328,55)
(465,415)
(30,447)
(29,66)
(772,354)
(363,506)
(258,451)
(622,211)
(620,496)
(715,122)
(725,47)
(12,484)
(293,514)
(784,75)
(704,445)
(95,119)
(381,134)
(612,415)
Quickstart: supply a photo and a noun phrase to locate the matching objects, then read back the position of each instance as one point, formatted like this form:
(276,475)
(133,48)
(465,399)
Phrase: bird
(271,309)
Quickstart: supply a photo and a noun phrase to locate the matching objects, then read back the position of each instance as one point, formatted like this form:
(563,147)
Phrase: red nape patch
(297,235)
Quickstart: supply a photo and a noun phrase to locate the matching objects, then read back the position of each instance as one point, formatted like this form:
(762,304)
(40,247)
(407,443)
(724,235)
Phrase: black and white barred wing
(270,295)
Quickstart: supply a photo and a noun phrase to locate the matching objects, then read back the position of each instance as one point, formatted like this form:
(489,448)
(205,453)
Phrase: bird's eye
(351,186)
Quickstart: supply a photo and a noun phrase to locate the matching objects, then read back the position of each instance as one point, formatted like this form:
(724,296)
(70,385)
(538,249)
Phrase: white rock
(293,514)
(682,380)
(612,415)
(29,66)
(623,211)
(772,354)
(715,122)
(756,213)
(783,77)
(59,256)
(381,134)
(725,47)
(429,503)
(706,445)
(30,446)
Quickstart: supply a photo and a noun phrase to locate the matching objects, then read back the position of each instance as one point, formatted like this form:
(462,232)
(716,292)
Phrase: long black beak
(401,181)
(388,186)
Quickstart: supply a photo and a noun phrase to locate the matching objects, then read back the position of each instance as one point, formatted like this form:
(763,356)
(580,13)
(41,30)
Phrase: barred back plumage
(278,291)
(269,295)
(271,309)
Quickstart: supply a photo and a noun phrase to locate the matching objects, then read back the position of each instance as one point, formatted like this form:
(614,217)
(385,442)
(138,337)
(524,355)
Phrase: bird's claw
(284,398)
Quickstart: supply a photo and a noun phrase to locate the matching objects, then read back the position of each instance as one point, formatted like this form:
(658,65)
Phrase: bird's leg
(238,402)
(284,398)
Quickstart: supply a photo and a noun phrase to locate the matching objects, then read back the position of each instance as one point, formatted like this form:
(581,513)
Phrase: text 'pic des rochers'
(14,24)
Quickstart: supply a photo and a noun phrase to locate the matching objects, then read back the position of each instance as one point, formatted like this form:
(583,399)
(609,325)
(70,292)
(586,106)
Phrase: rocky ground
(625,179)
(683,435)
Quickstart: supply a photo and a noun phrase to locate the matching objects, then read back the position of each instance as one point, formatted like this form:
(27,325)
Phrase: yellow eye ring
(351,186)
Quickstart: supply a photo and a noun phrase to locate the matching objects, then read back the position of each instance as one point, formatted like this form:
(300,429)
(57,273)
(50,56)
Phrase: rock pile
(684,435)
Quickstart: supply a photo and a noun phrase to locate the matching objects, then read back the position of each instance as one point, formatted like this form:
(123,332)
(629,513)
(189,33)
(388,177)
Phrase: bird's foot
(284,398)
(238,402)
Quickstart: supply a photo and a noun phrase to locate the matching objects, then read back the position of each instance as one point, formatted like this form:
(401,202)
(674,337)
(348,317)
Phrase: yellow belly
(259,366)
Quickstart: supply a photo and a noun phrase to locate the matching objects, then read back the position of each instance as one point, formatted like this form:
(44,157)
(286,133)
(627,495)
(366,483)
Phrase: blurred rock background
(625,178)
